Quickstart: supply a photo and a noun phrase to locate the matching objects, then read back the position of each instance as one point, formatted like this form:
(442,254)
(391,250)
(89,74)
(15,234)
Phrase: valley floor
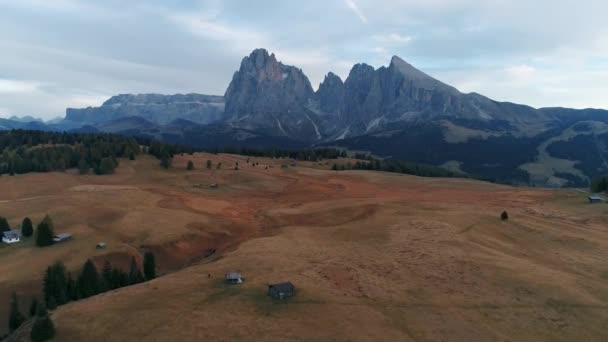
(373,256)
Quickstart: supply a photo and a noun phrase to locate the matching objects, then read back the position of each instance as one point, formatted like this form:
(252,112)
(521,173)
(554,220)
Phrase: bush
(504,216)
(190,165)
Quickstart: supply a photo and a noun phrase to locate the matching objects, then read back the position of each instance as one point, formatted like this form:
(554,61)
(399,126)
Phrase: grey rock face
(156,108)
(330,94)
(272,97)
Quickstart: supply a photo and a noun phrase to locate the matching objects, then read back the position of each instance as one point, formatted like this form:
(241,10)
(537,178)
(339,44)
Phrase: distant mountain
(159,109)
(395,111)
(27,118)
(21,123)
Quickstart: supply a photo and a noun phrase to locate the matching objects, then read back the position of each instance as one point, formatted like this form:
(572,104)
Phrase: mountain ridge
(394,111)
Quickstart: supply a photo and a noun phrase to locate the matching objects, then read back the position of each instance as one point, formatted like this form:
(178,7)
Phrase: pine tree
(106,276)
(165,161)
(219,165)
(119,278)
(88,281)
(15,318)
(106,166)
(72,288)
(209,164)
(135,276)
(4,226)
(83,167)
(149,266)
(45,232)
(190,165)
(27,229)
(33,307)
(55,285)
(504,216)
(43,328)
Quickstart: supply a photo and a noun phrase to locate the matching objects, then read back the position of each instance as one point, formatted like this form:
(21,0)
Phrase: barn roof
(288,286)
(12,234)
(63,235)
(232,275)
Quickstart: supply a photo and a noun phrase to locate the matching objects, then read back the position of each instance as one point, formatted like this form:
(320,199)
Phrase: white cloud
(355,9)
(521,72)
(392,38)
(17,86)
(238,39)
(73,52)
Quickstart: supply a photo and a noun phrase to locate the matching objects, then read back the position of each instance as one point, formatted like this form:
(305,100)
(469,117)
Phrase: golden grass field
(374,256)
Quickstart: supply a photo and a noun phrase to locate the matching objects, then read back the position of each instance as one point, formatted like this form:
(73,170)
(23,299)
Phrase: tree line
(59,287)
(396,166)
(303,155)
(599,184)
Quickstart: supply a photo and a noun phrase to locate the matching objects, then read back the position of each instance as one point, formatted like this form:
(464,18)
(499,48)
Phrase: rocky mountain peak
(418,78)
(331,94)
(270,95)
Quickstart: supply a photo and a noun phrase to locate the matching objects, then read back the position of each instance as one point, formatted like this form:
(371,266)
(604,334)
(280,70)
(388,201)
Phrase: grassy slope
(374,256)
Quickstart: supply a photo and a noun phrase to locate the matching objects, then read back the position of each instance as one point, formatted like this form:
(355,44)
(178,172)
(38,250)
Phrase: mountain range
(395,111)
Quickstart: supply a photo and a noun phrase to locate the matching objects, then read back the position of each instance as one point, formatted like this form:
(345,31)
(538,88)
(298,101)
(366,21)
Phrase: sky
(69,53)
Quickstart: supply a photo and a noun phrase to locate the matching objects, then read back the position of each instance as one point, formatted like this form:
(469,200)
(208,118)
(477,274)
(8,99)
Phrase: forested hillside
(25,151)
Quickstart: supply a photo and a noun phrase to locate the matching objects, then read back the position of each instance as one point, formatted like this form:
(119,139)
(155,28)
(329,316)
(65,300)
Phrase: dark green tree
(83,167)
(15,318)
(88,281)
(55,285)
(209,164)
(190,165)
(72,288)
(33,306)
(149,266)
(219,165)
(504,216)
(106,166)
(165,161)
(27,229)
(4,226)
(45,232)
(43,328)
(135,276)
(106,276)
(119,278)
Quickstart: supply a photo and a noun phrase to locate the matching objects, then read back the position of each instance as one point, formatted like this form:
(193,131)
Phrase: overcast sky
(68,53)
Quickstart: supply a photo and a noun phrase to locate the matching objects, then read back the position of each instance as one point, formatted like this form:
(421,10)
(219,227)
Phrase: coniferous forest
(23,151)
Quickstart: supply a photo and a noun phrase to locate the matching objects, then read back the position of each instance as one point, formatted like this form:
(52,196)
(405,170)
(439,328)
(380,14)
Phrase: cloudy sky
(68,53)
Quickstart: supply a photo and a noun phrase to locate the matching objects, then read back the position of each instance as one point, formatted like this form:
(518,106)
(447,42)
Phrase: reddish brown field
(373,256)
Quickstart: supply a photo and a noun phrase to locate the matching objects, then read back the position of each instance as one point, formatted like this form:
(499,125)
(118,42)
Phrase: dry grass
(374,256)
